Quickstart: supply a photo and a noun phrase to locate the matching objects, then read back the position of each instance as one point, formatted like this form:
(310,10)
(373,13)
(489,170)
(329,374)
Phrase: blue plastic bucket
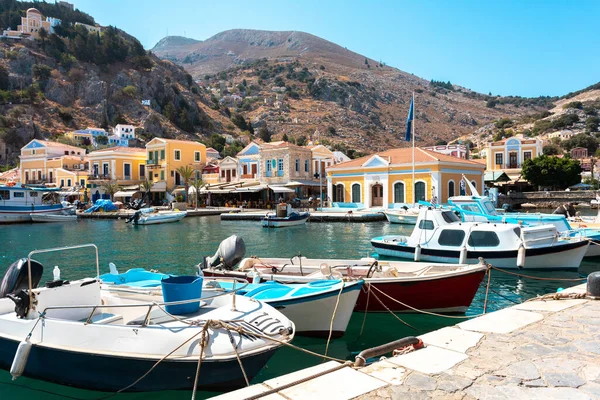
(180,288)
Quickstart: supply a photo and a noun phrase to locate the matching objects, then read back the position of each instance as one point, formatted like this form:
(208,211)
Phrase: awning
(281,189)
(131,187)
(250,189)
(305,183)
(125,193)
(159,187)
(496,176)
(69,193)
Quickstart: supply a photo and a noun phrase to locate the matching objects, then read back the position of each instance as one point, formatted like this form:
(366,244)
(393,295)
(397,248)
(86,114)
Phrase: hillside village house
(284,165)
(384,179)
(249,161)
(164,156)
(565,134)
(124,165)
(212,154)
(509,154)
(579,153)
(53,163)
(121,136)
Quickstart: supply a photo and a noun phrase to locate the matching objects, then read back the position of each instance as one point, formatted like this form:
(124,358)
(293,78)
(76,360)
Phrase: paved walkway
(536,350)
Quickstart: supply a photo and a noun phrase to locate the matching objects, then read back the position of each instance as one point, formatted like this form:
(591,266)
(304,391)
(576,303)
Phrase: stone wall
(289,156)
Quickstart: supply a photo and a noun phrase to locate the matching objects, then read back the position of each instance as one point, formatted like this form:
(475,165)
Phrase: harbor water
(177,248)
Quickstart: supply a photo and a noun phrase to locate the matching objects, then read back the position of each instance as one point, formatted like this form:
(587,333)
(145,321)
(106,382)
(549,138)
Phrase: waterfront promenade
(535,350)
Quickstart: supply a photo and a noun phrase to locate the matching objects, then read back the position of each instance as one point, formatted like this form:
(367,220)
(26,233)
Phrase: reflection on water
(177,247)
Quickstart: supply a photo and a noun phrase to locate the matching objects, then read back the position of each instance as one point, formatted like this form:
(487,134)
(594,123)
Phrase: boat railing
(58,249)
(151,305)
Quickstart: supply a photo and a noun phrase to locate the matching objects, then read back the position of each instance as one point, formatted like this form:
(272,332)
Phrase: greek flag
(434,201)
(463,186)
(409,121)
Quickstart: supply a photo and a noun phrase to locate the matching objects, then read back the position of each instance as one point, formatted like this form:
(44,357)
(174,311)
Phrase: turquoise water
(176,248)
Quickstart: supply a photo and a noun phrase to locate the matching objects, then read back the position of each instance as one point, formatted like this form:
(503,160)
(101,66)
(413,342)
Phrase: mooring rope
(387,308)
(203,342)
(337,303)
(537,278)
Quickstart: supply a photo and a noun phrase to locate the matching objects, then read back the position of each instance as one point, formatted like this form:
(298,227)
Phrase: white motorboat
(284,216)
(53,218)
(311,306)
(74,333)
(402,216)
(151,216)
(440,236)
(18,203)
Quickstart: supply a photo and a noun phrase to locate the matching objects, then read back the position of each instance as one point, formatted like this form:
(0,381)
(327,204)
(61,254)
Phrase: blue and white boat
(480,208)
(284,216)
(74,333)
(151,216)
(18,203)
(311,306)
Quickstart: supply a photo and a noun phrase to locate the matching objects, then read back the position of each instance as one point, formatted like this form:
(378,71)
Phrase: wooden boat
(310,305)
(151,216)
(424,286)
(284,216)
(53,218)
(87,334)
(440,236)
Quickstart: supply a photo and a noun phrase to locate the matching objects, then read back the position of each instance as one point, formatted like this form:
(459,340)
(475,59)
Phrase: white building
(123,133)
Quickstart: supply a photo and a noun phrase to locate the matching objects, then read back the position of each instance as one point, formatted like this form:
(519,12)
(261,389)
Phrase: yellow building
(53,163)
(165,156)
(124,165)
(509,154)
(385,178)
(31,24)
(80,137)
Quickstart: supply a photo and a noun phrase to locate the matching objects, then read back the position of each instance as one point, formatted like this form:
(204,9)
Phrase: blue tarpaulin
(102,205)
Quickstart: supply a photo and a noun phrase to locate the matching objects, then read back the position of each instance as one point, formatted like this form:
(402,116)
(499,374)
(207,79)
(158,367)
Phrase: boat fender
(418,253)
(463,256)
(256,278)
(521,256)
(20,360)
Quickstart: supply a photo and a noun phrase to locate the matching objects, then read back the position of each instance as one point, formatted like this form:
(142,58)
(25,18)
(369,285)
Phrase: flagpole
(413,152)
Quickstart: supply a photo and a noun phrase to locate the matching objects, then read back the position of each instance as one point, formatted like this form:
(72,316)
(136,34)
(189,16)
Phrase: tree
(186,173)
(592,124)
(285,137)
(102,140)
(582,140)
(197,183)
(440,142)
(110,188)
(549,171)
(217,142)
(264,134)
(4,81)
(301,141)
(41,72)
(43,35)
(552,150)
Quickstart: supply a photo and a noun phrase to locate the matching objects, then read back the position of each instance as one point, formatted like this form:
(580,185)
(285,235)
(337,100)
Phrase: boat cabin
(23,196)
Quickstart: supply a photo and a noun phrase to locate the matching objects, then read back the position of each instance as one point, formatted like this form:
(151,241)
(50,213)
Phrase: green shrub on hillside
(574,104)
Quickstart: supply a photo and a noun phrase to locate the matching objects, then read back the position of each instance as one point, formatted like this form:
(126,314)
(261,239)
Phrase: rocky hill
(301,86)
(72,79)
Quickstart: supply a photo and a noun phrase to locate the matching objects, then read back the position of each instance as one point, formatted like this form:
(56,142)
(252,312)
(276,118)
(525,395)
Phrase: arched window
(474,184)
(399,192)
(451,189)
(356,193)
(419,191)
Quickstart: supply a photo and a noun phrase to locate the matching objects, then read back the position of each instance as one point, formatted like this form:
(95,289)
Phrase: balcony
(99,177)
(151,162)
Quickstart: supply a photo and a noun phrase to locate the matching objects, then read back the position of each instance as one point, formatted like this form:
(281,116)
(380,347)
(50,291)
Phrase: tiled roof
(122,149)
(404,156)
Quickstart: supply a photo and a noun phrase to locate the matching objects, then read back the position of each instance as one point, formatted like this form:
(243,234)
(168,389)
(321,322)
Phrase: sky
(523,48)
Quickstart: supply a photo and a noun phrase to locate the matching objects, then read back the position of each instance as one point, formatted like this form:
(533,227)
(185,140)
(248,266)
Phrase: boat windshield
(489,207)
(450,217)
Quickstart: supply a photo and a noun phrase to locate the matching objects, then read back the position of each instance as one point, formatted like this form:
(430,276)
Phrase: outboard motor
(230,252)
(134,218)
(15,284)
(17,277)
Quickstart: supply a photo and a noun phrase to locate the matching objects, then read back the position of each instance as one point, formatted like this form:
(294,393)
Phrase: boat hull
(312,317)
(160,219)
(564,256)
(274,222)
(10,215)
(404,219)
(448,294)
(110,373)
(52,218)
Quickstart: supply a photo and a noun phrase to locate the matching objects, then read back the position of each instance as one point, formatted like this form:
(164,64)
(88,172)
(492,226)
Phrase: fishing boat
(53,218)
(403,216)
(398,285)
(73,333)
(440,236)
(151,216)
(18,203)
(312,306)
(480,208)
(284,216)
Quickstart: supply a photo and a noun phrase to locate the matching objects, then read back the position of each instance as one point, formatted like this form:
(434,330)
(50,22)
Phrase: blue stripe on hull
(111,373)
(308,299)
